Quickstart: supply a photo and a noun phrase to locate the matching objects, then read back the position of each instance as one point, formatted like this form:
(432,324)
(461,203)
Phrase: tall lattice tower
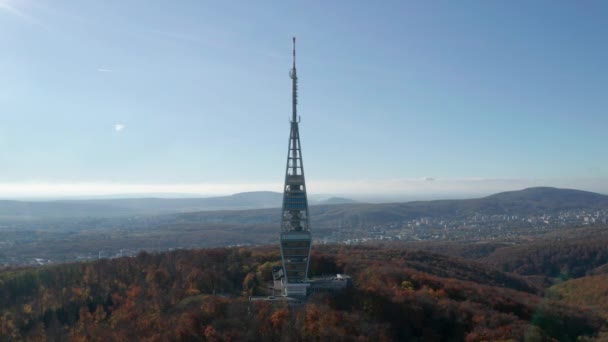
(295,224)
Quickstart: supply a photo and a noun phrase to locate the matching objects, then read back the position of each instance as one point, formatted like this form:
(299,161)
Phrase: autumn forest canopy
(402,291)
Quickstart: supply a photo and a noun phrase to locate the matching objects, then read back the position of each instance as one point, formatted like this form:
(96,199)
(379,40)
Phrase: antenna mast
(294,85)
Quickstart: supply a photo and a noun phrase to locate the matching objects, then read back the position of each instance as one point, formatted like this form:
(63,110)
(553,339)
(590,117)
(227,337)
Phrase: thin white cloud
(104,70)
(119,127)
(8,7)
(429,179)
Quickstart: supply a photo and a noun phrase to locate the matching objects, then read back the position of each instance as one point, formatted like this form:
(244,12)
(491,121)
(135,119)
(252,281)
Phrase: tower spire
(295,228)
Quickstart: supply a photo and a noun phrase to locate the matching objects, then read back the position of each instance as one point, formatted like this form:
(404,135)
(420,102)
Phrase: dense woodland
(565,254)
(399,293)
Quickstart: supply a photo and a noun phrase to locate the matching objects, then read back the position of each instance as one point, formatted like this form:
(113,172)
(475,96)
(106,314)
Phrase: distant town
(93,239)
(475,227)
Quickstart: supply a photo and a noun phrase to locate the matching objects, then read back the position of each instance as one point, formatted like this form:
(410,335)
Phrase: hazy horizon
(394,190)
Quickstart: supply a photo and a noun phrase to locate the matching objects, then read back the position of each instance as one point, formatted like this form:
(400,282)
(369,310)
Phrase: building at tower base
(333,284)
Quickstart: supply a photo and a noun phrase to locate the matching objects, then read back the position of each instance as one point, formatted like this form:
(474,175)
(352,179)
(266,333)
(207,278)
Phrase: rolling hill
(16,210)
(262,207)
(541,200)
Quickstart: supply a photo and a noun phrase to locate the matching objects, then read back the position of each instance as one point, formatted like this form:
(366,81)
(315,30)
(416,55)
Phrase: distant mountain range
(238,207)
(19,210)
(531,201)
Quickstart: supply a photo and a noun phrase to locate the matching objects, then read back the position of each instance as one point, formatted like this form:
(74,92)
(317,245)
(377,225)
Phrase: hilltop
(398,294)
(528,201)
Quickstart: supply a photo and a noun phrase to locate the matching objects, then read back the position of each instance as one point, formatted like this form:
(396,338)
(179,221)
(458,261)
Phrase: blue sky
(397,98)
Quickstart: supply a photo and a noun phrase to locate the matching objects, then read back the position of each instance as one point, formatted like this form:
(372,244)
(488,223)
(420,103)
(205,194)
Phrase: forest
(399,293)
